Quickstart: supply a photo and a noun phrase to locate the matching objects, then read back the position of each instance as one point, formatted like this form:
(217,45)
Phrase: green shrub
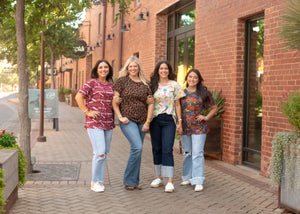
(290,107)
(61,90)
(219,100)
(67,91)
(2,185)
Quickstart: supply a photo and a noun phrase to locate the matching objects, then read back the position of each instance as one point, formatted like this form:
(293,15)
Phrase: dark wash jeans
(162,130)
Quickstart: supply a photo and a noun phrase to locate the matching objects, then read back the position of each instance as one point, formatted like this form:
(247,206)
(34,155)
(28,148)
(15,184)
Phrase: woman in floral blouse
(194,123)
(167,94)
(134,114)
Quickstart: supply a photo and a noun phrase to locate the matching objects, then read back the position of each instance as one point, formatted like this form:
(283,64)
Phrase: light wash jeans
(193,161)
(100,140)
(135,136)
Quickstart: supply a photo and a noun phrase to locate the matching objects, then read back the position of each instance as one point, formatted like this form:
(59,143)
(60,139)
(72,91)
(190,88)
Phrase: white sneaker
(198,188)
(185,183)
(169,187)
(97,187)
(156,182)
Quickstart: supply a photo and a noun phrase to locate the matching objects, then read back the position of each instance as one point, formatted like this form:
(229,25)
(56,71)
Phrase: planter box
(61,97)
(213,143)
(289,197)
(9,162)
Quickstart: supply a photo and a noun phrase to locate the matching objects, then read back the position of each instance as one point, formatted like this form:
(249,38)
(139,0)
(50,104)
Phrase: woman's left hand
(145,127)
(179,129)
(201,118)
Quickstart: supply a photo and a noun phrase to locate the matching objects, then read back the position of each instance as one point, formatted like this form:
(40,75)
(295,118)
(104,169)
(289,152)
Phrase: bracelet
(120,115)
(85,110)
(179,120)
(206,118)
(147,121)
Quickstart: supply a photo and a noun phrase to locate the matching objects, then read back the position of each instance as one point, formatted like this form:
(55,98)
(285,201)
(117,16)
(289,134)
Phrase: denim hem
(197,180)
(186,178)
(158,169)
(168,171)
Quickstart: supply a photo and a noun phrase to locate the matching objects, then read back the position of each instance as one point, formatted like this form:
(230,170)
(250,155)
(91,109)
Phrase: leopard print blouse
(134,96)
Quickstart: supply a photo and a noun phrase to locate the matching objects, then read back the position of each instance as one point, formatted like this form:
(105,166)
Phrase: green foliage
(61,90)
(2,185)
(67,91)
(8,141)
(260,38)
(258,104)
(124,6)
(219,100)
(284,149)
(290,29)
(290,107)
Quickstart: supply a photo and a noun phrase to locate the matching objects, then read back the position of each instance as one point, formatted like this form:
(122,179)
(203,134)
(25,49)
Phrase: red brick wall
(219,55)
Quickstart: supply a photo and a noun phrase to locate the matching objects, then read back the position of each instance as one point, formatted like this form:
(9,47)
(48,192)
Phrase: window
(137,54)
(137,2)
(99,23)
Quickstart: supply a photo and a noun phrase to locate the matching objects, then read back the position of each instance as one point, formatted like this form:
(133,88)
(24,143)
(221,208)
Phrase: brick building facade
(221,38)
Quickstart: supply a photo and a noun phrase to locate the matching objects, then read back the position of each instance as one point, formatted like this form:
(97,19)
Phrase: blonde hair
(124,70)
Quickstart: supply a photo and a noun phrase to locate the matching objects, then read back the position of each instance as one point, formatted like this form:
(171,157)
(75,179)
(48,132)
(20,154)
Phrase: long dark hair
(95,75)
(201,89)
(155,75)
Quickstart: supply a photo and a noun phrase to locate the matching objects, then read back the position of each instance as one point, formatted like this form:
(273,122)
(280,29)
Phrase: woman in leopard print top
(134,114)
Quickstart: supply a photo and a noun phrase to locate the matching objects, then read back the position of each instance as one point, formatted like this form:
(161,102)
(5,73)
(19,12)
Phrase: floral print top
(165,96)
(191,106)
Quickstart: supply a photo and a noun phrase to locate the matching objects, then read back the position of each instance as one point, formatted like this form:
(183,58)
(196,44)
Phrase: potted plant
(213,143)
(61,94)
(284,168)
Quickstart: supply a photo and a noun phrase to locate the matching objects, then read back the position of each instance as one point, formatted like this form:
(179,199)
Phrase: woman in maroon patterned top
(134,114)
(95,100)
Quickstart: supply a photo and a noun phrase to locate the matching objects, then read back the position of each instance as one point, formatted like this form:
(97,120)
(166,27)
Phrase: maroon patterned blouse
(98,97)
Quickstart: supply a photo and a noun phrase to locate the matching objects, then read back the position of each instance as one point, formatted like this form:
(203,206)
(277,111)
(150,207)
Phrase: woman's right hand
(93,114)
(124,120)
(150,99)
(117,99)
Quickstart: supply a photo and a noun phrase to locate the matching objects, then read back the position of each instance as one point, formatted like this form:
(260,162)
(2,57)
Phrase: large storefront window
(253,114)
(181,41)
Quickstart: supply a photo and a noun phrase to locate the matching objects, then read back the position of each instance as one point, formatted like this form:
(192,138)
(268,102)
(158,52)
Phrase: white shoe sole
(156,185)
(185,184)
(169,190)
(199,190)
(97,190)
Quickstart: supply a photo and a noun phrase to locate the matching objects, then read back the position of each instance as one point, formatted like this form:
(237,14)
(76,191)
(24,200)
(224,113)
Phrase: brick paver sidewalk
(228,189)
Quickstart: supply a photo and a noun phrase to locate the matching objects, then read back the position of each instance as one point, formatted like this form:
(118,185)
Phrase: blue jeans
(135,136)
(193,161)
(162,131)
(100,140)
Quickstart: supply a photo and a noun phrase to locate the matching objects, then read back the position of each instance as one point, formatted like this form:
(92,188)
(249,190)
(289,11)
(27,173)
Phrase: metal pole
(42,138)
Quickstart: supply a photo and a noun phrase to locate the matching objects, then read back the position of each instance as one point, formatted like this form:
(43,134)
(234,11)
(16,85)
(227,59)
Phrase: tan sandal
(127,187)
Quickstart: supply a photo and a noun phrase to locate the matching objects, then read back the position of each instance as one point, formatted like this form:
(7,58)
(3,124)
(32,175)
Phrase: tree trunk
(24,122)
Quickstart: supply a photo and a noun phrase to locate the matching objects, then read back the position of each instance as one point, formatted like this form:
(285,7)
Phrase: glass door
(253,94)
(181,41)
(184,55)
